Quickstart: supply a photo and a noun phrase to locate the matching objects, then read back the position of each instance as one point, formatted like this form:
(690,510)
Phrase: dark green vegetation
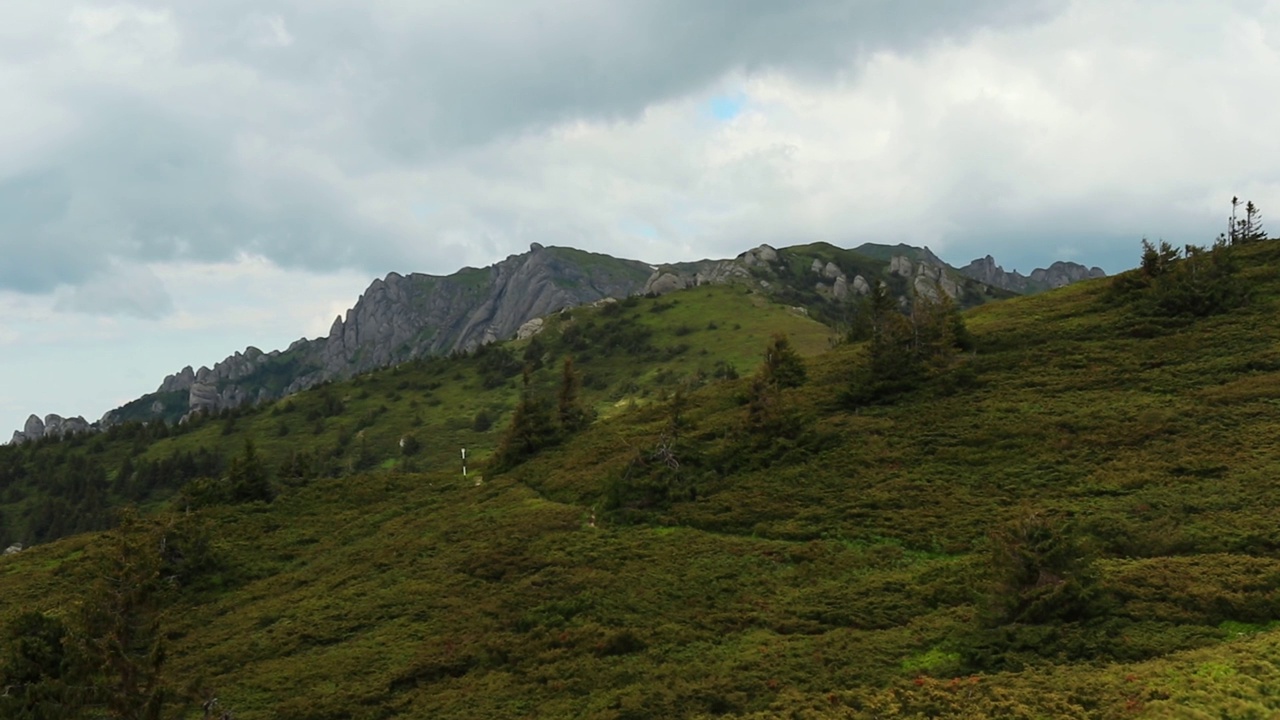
(1066,507)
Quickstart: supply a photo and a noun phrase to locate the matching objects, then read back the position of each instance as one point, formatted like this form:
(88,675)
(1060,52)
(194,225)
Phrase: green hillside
(1074,516)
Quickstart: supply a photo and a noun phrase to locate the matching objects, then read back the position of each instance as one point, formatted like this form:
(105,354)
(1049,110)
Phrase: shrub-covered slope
(1075,517)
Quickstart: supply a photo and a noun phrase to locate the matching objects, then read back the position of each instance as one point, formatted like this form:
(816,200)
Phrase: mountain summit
(403,317)
(1041,279)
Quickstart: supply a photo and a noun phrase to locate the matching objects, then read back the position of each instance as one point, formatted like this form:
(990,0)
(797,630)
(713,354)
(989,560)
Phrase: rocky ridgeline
(215,388)
(52,426)
(402,317)
(1056,275)
(927,274)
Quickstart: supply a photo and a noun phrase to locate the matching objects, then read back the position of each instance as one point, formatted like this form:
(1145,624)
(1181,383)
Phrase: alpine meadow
(703,503)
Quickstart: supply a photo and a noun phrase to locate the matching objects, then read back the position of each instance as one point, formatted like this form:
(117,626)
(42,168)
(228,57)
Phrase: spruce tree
(248,478)
(120,634)
(782,367)
(569,413)
(529,430)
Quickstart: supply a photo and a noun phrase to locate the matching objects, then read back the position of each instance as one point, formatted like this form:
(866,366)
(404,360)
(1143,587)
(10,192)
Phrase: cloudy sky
(181,179)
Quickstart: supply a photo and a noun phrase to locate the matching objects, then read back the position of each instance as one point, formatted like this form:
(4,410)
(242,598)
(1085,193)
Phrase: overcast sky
(181,179)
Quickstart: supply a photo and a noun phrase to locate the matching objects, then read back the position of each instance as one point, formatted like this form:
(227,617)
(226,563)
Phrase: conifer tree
(905,350)
(782,365)
(120,624)
(529,430)
(767,412)
(1250,226)
(248,478)
(569,412)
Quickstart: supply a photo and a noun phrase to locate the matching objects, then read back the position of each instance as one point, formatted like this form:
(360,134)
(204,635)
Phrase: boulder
(664,282)
(529,329)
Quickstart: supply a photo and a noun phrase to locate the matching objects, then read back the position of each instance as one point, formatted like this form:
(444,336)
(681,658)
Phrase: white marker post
(464,462)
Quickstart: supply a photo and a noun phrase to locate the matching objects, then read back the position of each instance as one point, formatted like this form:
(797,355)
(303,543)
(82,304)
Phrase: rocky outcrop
(179,381)
(661,283)
(1041,279)
(52,425)
(529,329)
(927,275)
(401,317)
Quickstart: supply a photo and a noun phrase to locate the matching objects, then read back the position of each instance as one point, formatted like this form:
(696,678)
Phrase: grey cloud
(117,289)
(195,144)
(462,78)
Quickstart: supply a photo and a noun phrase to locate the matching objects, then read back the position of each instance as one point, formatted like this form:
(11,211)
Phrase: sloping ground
(837,571)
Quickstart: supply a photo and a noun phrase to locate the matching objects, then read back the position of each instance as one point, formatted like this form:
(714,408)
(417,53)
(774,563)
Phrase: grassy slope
(840,583)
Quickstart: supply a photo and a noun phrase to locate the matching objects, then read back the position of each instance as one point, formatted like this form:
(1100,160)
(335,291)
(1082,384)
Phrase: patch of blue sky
(727,107)
(639,229)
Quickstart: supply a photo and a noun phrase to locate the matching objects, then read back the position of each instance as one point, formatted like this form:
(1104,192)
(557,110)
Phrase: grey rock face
(662,283)
(1055,276)
(203,397)
(179,381)
(53,425)
(840,289)
(401,317)
(1063,273)
(34,428)
(529,329)
(928,276)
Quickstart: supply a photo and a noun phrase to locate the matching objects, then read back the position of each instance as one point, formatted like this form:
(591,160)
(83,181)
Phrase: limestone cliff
(399,318)
(1041,279)
(402,317)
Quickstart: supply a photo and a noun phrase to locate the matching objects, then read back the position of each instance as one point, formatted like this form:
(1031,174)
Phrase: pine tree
(529,431)
(905,350)
(782,367)
(1250,226)
(768,414)
(120,624)
(569,413)
(248,478)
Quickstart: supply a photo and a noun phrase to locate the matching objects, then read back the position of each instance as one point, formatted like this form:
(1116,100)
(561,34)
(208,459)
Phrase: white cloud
(204,175)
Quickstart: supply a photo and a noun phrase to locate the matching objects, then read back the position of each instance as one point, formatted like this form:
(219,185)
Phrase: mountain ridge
(404,316)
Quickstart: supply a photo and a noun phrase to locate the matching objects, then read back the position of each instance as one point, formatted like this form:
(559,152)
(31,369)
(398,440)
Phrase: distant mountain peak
(1057,275)
(401,317)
